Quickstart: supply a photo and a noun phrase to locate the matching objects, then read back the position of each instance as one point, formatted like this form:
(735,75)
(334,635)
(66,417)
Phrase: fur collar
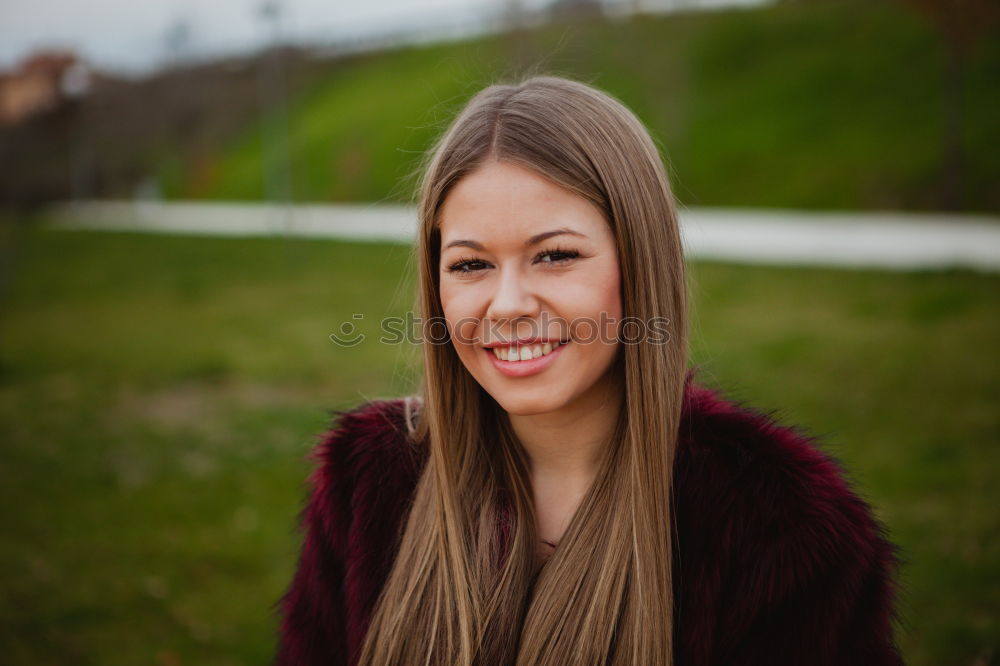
(777,558)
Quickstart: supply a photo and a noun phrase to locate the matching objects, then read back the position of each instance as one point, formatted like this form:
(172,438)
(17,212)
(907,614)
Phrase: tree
(960,25)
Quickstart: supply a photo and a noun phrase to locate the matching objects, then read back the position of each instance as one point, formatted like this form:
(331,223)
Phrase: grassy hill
(834,104)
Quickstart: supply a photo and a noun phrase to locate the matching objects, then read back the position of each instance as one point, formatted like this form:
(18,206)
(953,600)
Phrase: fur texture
(776,559)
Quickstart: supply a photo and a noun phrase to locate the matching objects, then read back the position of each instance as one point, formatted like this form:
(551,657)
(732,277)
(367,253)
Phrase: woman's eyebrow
(537,238)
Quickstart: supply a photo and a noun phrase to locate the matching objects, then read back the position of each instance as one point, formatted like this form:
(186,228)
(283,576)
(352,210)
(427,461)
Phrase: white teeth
(514,354)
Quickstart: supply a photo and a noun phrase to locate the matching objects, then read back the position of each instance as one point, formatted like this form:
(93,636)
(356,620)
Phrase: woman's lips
(524,368)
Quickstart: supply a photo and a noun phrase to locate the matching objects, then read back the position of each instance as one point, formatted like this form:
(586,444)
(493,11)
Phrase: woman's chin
(524,405)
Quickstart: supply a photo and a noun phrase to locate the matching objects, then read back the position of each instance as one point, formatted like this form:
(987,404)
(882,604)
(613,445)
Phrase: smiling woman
(560,492)
(560,394)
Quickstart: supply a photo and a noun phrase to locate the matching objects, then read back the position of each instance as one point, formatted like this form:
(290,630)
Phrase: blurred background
(194,196)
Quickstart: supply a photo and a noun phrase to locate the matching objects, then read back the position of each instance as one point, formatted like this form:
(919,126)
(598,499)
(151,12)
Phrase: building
(39,83)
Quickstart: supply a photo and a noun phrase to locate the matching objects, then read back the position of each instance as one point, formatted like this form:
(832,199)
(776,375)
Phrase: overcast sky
(131,35)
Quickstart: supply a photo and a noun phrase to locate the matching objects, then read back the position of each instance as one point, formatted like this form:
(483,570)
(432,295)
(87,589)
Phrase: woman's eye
(466,266)
(557,256)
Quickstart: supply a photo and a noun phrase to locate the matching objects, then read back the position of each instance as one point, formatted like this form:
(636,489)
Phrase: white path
(879,240)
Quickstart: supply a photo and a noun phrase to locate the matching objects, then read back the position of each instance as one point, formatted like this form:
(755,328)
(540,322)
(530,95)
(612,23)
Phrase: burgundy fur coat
(777,560)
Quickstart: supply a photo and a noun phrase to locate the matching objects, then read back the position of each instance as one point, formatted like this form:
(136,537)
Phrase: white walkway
(858,240)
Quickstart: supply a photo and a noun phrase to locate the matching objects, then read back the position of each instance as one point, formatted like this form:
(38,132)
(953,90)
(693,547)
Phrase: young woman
(562,491)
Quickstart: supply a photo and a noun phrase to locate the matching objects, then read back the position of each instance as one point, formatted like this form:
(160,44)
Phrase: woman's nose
(512,299)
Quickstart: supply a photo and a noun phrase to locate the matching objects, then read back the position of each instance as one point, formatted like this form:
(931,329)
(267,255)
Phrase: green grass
(158,395)
(831,104)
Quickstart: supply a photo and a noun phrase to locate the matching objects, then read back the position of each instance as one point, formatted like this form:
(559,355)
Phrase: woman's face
(523,259)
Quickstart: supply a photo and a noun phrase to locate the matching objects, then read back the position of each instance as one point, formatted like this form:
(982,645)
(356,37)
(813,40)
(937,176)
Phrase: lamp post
(274,115)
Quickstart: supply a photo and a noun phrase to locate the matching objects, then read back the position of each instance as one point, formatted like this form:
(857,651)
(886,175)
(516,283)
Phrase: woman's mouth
(520,361)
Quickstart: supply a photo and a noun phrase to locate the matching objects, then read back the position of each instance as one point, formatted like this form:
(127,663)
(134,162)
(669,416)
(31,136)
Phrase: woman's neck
(569,442)
(564,450)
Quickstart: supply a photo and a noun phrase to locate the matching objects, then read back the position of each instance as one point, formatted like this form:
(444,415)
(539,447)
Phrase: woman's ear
(412,404)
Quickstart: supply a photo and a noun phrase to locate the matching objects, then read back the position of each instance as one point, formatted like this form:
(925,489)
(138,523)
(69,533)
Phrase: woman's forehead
(504,202)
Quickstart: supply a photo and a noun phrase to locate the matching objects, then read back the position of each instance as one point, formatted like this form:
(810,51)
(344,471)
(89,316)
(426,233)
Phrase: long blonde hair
(463,591)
